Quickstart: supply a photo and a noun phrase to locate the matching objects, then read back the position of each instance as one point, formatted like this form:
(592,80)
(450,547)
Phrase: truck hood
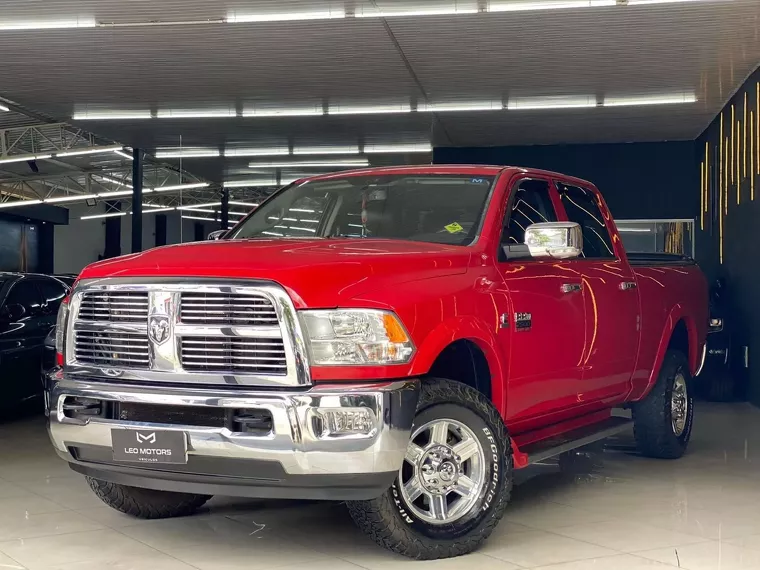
(319,273)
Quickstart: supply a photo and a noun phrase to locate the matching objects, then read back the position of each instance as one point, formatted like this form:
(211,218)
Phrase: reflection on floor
(624,512)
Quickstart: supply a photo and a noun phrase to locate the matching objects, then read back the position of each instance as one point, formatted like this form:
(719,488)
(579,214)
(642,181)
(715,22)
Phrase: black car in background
(28,308)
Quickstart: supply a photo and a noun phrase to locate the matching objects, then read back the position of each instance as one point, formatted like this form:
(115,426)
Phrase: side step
(576,438)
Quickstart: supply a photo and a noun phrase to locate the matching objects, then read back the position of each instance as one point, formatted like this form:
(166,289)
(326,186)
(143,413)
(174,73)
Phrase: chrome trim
(702,360)
(295,441)
(165,363)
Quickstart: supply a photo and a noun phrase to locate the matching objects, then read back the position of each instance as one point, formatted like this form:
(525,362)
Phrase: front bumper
(293,460)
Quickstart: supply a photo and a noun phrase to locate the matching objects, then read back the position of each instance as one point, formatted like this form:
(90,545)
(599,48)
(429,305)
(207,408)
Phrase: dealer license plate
(149,446)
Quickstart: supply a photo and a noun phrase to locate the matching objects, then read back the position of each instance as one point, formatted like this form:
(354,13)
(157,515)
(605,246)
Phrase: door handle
(627,285)
(571,287)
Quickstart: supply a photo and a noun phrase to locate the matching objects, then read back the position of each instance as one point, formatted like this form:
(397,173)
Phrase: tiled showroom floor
(701,512)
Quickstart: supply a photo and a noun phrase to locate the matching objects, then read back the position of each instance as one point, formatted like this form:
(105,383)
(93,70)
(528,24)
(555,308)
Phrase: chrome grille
(112,349)
(240,355)
(113,307)
(236,309)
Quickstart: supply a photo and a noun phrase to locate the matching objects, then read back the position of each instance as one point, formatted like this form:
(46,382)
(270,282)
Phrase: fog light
(345,421)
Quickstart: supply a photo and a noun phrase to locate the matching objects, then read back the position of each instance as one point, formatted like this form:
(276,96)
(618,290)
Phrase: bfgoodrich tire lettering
(395,524)
(654,425)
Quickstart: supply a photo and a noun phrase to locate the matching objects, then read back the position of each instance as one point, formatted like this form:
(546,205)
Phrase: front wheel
(455,482)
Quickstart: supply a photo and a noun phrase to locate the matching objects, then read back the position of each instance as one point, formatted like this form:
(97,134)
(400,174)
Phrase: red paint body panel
(584,353)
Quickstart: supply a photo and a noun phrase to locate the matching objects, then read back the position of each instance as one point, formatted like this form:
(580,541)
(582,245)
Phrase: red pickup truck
(398,338)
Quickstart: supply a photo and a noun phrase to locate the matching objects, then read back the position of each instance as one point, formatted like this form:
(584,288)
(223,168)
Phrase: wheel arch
(465,350)
(679,333)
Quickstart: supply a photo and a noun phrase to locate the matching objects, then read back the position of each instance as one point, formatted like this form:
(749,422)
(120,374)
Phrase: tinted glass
(52,292)
(582,207)
(531,204)
(443,209)
(25,293)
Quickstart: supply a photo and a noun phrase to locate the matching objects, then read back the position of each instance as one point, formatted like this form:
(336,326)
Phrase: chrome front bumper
(294,460)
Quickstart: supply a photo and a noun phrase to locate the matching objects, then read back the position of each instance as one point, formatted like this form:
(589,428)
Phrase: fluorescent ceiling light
(238,213)
(114,194)
(650,100)
(326,150)
(204,205)
(309,111)
(245,204)
(311,163)
(111,115)
(188,153)
(4,108)
(112,180)
(379,13)
(196,114)
(235,18)
(49,24)
(193,209)
(154,210)
(369,109)
(397,148)
(645,2)
(94,150)
(19,203)
(111,215)
(519,6)
(182,187)
(461,106)
(200,218)
(558,102)
(249,183)
(73,198)
(273,151)
(124,155)
(24,158)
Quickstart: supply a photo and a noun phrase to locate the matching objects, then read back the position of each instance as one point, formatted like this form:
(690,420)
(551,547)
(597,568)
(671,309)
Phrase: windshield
(434,208)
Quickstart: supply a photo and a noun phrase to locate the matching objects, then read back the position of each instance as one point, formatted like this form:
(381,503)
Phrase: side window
(52,293)
(531,204)
(24,293)
(582,207)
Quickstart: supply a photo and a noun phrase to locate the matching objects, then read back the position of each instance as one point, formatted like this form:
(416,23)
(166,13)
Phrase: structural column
(225,211)
(137,192)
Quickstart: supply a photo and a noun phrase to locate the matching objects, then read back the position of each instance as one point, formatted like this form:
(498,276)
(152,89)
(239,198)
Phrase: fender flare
(677,314)
(474,330)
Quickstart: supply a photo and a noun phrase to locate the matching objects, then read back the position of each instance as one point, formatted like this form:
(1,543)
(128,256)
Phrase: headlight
(355,337)
(60,327)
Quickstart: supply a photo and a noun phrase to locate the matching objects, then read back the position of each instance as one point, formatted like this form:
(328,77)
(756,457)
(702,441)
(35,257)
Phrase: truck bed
(656,259)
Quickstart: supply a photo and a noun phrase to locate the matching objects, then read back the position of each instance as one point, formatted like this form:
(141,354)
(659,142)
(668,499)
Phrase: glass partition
(658,236)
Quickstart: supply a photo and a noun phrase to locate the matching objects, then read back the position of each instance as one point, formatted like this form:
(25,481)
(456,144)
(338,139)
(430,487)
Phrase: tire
(654,429)
(146,503)
(400,524)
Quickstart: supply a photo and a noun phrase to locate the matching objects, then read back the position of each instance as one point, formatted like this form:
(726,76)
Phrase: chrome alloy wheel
(444,471)
(679,404)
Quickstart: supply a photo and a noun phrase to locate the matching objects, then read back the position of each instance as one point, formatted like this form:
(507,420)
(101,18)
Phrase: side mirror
(216,235)
(12,312)
(554,240)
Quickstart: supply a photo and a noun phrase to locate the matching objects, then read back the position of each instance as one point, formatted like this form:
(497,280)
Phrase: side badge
(523,321)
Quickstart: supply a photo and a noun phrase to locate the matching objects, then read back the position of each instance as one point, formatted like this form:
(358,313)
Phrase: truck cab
(401,339)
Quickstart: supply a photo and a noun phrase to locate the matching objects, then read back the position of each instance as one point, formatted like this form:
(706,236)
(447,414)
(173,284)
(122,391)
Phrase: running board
(574,439)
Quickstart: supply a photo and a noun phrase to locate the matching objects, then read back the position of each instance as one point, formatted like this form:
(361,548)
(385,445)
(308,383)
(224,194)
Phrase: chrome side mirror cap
(556,240)
(216,235)
(551,240)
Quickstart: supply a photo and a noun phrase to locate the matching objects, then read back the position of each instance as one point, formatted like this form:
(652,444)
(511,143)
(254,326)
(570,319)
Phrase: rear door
(611,297)
(547,317)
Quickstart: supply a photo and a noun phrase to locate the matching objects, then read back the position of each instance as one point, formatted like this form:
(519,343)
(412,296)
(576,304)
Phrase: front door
(547,316)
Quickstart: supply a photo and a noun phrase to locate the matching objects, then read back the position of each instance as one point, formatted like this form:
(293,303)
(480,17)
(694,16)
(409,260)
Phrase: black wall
(731,212)
(639,180)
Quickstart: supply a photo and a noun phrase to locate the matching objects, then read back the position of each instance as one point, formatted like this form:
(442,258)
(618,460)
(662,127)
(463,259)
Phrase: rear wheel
(454,483)
(663,420)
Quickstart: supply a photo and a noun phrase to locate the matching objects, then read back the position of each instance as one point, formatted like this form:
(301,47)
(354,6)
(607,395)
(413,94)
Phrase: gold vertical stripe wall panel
(733,141)
(752,151)
(738,163)
(744,138)
(702,195)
